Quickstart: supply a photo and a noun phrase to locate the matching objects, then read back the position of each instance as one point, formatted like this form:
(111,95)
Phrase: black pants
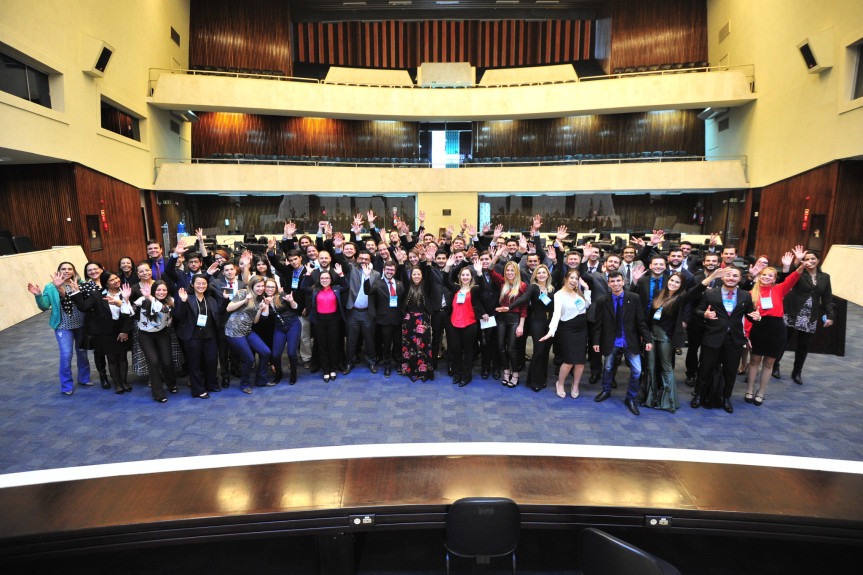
(327,330)
(460,341)
(157,349)
(537,373)
(802,349)
(694,333)
(488,348)
(202,356)
(440,323)
(360,325)
(507,345)
(594,358)
(227,355)
(118,366)
(391,343)
(726,358)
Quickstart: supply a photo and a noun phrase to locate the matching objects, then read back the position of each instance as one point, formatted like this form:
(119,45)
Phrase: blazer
(311,299)
(642,287)
(216,291)
(379,301)
(99,320)
(354,276)
(475,300)
(437,285)
(822,296)
(186,313)
(716,329)
(286,273)
(634,326)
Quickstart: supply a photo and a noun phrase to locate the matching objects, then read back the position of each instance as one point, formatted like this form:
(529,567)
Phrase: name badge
(767,303)
(394,301)
(579,305)
(658,314)
(202,320)
(295,283)
(543,297)
(460,297)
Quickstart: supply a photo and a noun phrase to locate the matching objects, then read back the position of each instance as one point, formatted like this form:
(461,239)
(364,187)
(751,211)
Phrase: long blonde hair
(549,288)
(510,290)
(253,281)
(756,289)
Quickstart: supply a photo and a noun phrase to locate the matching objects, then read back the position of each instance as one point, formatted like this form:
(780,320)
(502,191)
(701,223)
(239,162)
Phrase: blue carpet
(43,429)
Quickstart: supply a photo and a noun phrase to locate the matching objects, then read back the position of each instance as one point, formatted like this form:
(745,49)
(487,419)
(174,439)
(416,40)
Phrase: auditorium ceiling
(352,10)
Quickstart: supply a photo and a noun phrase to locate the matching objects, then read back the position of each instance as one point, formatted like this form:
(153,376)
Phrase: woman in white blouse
(569,323)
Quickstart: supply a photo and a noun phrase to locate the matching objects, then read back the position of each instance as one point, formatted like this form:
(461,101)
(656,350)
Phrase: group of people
(333,301)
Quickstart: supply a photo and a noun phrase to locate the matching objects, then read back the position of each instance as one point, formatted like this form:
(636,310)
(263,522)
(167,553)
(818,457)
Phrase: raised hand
(471,251)
(328,230)
(358,223)
(310,267)
(290,229)
(430,253)
(561,234)
(787,259)
(200,234)
(338,240)
(401,256)
(637,241)
(478,267)
(145,290)
(498,231)
(214,267)
(756,268)
(422,215)
(271,244)
(471,230)
(714,239)
(180,249)
(799,252)
(522,243)
(638,273)
(657,237)
(321,225)
(370,217)
(709,313)
(57,278)
(34,289)
(450,261)
(463,225)
(183,295)
(126,291)
(338,269)
(485,228)
(537,222)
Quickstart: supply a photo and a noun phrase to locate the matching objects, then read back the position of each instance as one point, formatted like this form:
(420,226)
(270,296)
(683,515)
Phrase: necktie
(157,272)
(628,274)
(392,288)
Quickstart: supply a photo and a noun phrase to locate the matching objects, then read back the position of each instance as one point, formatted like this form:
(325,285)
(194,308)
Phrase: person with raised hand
(153,311)
(246,309)
(568,326)
(67,321)
(197,324)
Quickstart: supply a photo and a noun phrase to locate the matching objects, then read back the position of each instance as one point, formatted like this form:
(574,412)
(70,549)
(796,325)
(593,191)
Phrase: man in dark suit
(675,265)
(695,322)
(651,283)
(385,298)
(360,322)
(723,310)
(619,325)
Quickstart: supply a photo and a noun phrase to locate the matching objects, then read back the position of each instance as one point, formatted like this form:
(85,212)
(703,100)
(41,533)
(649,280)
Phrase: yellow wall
(59,34)
(797,122)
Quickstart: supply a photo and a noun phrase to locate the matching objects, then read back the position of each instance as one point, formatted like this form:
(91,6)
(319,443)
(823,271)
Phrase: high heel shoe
(326,378)
(504,381)
(574,393)
(561,393)
(747,397)
(513,380)
(759,399)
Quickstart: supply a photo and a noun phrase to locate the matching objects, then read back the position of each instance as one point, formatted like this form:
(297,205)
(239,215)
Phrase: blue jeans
(287,334)
(69,339)
(247,347)
(634,372)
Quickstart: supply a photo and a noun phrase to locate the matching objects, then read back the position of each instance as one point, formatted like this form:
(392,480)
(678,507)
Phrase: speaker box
(99,54)
(817,51)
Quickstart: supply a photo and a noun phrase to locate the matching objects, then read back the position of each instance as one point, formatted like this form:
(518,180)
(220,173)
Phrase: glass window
(120,122)
(21,80)
(858,77)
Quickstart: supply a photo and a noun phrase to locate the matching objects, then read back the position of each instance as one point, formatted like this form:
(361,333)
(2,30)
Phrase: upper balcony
(696,88)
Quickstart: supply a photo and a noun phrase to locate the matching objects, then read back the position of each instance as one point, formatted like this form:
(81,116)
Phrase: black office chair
(481,528)
(602,554)
(6,247)
(23,244)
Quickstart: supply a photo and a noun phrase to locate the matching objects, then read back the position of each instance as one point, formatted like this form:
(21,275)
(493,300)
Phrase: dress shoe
(495,374)
(678,351)
(373,367)
(776,373)
(726,405)
(594,377)
(465,381)
(246,390)
(307,365)
(456,379)
(204,395)
(293,378)
(690,381)
(747,398)
(314,368)
(795,377)
(630,403)
(387,371)
(348,368)
(277,376)
(759,399)
(695,403)
(226,381)
(484,374)
(450,370)
(66,392)
(603,395)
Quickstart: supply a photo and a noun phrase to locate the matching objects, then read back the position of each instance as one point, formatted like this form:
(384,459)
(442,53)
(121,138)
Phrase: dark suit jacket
(716,329)
(822,295)
(642,287)
(634,327)
(354,276)
(186,314)
(216,291)
(379,301)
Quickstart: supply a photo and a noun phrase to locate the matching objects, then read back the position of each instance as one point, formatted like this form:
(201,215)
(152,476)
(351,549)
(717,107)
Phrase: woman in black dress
(811,299)
(416,360)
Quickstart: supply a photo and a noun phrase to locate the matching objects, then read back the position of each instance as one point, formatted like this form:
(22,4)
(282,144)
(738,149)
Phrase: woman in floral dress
(416,331)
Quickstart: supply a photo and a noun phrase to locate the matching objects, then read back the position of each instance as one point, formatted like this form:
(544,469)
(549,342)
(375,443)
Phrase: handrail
(154,73)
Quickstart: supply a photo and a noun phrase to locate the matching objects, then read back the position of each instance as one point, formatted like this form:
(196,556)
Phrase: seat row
(568,159)
(243,72)
(678,66)
(216,158)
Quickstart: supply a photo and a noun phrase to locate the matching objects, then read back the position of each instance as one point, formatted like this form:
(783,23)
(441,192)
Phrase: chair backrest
(482,527)
(23,244)
(603,554)
(6,247)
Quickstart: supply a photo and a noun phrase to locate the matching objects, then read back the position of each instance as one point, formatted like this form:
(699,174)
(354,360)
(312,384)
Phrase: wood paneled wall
(244,35)
(647,131)
(485,44)
(36,200)
(656,32)
(254,134)
(846,227)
